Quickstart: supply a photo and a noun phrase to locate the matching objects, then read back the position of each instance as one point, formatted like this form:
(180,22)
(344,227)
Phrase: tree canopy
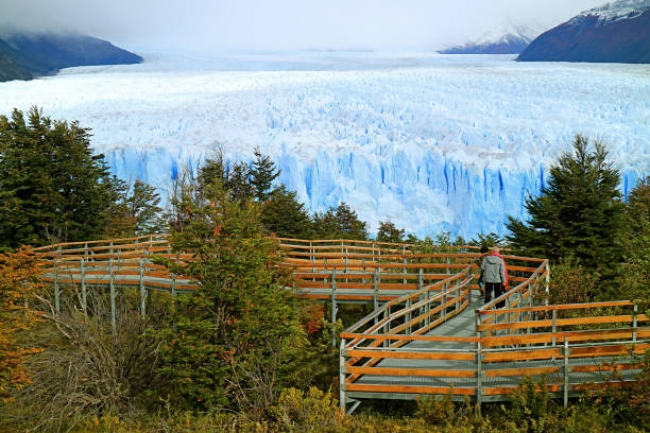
(578,212)
(52,187)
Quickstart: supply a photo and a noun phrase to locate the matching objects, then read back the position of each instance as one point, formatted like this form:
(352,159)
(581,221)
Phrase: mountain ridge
(27,55)
(617,32)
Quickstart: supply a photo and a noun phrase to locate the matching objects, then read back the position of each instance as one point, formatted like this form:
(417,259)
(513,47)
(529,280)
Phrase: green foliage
(284,216)
(487,240)
(340,223)
(438,411)
(263,174)
(238,340)
(310,411)
(52,188)
(578,213)
(134,211)
(571,283)
(388,232)
(530,406)
(634,277)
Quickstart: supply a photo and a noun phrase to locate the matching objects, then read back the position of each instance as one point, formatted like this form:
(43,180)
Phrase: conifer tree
(635,242)
(52,188)
(578,213)
(237,341)
(388,232)
(284,216)
(340,223)
(263,174)
(143,206)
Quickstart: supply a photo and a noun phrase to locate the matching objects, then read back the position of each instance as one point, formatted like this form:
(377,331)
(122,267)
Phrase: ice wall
(431,143)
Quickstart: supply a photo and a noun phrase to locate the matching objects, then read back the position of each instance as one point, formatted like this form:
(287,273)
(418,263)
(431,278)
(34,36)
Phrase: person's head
(495,249)
(484,249)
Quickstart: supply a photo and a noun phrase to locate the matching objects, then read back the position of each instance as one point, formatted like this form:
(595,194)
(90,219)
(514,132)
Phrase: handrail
(414,295)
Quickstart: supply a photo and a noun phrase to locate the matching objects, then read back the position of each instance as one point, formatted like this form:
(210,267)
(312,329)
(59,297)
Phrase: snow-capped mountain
(615,32)
(429,142)
(500,40)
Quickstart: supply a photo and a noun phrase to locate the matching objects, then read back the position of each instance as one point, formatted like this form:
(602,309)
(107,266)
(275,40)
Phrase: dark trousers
(498,290)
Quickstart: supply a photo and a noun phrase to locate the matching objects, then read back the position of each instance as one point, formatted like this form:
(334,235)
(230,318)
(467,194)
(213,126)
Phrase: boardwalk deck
(429,335)
(450,359)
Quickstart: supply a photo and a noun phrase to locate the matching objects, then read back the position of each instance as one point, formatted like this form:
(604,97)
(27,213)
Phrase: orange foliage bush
(18,280)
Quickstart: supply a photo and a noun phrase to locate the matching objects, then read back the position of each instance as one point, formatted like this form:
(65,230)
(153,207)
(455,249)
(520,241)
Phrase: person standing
(494,275)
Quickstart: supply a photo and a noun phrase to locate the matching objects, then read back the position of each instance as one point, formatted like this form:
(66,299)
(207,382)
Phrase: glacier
(433,143)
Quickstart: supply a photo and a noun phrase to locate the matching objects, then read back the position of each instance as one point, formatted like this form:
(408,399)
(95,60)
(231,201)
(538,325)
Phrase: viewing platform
(429,333)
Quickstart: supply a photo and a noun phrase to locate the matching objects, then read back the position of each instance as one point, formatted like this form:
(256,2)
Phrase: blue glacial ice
(430,142)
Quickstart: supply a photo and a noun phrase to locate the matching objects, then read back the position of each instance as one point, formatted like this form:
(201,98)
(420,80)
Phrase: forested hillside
(24,56)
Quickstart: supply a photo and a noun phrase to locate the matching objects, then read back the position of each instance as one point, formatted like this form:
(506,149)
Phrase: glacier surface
(430,142)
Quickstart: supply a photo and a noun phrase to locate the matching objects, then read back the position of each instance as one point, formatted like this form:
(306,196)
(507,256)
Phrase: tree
(237,182)
(52,188)
(283,215)
(488,240)
(134,211)
(237,341)
(236,179)
(340,223)
(388,232)
(635,242)
(142,205)
(578,213)
(263,174)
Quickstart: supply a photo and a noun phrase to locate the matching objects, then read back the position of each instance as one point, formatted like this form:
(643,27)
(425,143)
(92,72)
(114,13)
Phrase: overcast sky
(278,24)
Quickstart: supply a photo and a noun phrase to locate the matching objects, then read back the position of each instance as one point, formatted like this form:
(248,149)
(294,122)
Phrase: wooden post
(334,307)
(634,322)
(566,371)
(375,284)
(479,374)
(84,292)
(342,397)
(112,290)
(444,302)
(554,327)
(57,293)
(427,295)
(143,303)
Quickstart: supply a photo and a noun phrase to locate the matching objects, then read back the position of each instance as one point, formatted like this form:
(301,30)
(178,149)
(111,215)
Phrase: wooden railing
(574,348)
(400,349)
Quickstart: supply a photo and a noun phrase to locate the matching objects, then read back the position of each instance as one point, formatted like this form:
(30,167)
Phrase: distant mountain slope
(511,40)
(618,32)
(26,55)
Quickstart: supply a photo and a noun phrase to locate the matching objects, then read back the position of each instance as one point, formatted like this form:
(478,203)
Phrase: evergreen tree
(237,341)
(388,232)
(263,174)
(340,223)
(635,241)
(52,188)
(142,206)
(578,213)
(284,216)
(236,179)
(237,182)
(214,169)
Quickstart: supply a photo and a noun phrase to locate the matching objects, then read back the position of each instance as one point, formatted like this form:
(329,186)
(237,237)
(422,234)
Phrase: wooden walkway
(429,333)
